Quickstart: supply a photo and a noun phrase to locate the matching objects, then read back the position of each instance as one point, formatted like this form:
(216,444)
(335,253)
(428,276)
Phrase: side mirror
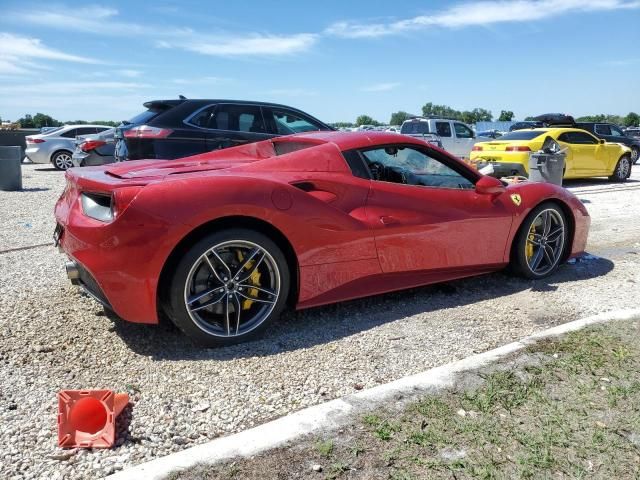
(489,186)
(602,142)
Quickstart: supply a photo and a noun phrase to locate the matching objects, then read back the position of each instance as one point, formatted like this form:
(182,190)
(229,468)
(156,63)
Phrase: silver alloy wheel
(545,242)
(635,153)
(623,167)
(232,288)
(63,161)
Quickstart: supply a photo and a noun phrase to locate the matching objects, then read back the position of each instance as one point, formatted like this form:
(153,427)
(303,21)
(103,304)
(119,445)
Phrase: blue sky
(333,59)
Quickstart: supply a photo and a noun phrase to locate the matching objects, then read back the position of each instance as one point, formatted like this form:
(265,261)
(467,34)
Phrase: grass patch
(567,408)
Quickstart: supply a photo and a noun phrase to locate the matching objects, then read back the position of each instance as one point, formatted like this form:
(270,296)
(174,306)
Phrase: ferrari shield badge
(516,199)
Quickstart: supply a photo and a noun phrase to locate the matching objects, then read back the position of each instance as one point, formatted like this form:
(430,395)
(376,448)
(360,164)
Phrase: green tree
(41,120)
(26,121)
(341,124)
(505,116)
(398,117)
(366,120)
(444,111)
(632,120)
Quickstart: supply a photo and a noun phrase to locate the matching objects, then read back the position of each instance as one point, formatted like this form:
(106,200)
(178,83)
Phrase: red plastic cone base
(86,418)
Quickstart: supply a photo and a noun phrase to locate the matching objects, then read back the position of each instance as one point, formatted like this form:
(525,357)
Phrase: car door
(464,139)
(426,215)
(236,124)
(589,158)
(445,132)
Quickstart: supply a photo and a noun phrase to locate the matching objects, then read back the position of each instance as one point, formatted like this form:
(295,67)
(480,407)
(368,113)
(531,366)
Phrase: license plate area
(57,235)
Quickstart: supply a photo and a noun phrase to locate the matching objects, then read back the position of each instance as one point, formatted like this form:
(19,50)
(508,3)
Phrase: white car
(456,137)
(57,146)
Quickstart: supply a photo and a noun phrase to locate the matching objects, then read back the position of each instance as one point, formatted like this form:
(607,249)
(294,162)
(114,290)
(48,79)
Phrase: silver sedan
(57,146)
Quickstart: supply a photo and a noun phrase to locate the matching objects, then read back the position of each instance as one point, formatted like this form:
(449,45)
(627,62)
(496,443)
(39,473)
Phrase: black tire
(635,155)
(61,160)
(523,252)
(622,170)
(207,326)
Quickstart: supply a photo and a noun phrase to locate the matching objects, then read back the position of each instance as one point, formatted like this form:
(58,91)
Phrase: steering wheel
(377,170)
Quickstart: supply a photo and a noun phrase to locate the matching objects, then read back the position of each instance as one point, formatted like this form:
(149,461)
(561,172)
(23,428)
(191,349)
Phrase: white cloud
(55,88)
(17,52)
(126,72)
(251,45)
(479,14)
(381,87)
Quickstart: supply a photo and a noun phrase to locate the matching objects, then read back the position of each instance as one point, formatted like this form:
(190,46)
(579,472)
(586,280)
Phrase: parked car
(586,155)
(455,137)
(632,131)
(524,125)
(57,146)
(170,129)
(223,241)
(613,133)
(97,149)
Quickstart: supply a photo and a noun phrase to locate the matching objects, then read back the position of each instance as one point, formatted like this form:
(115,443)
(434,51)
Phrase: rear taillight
(517,148)
(34,140)
(476,148)
(91,145)
(145,131)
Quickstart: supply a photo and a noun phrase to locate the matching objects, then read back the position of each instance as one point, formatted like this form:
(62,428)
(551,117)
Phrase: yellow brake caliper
(528,249)
(254,279)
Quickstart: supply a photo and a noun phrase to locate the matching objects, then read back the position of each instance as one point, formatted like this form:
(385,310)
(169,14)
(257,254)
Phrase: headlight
(97,206)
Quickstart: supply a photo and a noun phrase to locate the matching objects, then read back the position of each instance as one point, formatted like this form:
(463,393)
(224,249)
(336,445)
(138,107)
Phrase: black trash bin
(10,168)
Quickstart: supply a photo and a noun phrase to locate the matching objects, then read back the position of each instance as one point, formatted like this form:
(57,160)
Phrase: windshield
(523,135)
(415,128)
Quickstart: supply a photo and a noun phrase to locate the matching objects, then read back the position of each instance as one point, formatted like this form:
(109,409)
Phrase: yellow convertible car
(586,155)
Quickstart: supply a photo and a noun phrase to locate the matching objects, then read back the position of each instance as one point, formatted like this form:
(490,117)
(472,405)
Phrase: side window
(238,118)
(616,131)
(577,138)
(602,129)
(406,165)
(70,133)
(287,122)
(102,129)
(443,129)
(462,131)
(203,118)
(86,131)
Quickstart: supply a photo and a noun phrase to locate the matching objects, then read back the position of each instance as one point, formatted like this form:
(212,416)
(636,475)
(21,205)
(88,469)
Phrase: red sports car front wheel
(228,287)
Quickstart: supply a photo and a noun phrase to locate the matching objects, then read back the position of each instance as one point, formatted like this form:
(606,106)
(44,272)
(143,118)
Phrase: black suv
(613,133)
(171,129)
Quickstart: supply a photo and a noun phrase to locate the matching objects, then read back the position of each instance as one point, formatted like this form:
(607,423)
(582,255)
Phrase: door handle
(388,220)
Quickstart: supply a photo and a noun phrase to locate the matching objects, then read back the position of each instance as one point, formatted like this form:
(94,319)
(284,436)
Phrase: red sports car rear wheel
(228,287)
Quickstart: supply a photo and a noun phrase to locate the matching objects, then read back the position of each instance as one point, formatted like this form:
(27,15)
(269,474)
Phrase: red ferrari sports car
(222,242)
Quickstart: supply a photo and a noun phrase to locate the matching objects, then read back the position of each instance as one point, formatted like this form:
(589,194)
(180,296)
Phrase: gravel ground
(53,337)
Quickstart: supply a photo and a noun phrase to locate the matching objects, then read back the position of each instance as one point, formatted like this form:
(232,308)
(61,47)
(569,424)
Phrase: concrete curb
(336,413)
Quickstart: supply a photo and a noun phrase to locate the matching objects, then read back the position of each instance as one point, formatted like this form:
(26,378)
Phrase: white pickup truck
(456,137)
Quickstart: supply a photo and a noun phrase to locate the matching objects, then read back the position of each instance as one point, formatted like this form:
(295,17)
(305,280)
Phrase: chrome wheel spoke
(255,299)
(226,314)
(238,308)
(546,223)
(247,276)
(213,269)
(224,264)
(555,234)
(549,254)
(208,304)
(201,295)
(537,258)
